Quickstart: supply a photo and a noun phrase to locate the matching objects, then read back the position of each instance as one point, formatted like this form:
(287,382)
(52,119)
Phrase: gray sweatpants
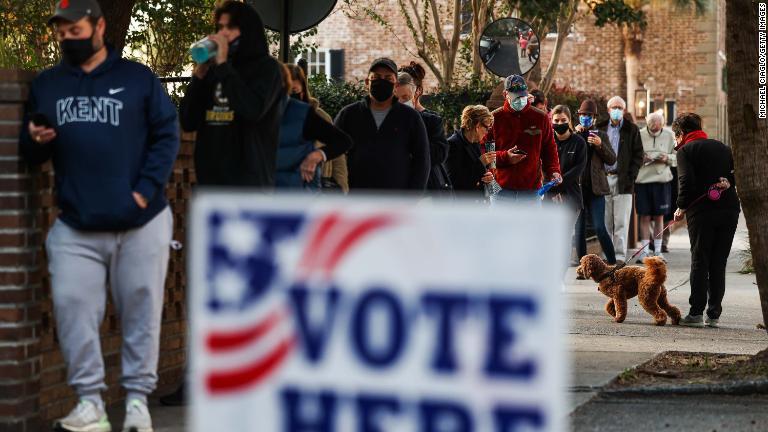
(133,264)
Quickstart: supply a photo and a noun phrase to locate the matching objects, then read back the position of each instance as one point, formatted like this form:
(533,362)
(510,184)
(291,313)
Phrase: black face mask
(381,89)
(77,51)
(560,128)
(296,96)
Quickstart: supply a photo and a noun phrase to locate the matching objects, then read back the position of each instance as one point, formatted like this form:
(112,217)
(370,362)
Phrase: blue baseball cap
(515,84)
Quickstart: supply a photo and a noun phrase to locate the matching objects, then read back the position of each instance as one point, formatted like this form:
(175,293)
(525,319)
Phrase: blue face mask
(519,103)
(586,121)
(617,114)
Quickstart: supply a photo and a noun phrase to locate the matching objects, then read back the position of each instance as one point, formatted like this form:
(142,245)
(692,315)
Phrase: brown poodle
(645,283)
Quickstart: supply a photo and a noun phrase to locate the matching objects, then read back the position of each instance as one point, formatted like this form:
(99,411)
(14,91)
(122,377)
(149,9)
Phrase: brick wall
(33,388)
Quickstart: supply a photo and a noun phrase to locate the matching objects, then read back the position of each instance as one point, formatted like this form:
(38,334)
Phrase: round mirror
(509,46)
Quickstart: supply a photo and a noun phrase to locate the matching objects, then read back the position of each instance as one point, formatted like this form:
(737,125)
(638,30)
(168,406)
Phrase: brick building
(681,65)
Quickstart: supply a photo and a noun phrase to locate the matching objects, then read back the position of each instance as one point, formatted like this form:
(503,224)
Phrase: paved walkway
(601,349)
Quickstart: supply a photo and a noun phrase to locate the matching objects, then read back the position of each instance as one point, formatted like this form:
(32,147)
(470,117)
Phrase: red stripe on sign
(354,235)
(230,381)
(318,237)
(226,341)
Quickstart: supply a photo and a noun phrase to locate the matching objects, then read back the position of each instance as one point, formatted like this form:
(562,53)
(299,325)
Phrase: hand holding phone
(41,129)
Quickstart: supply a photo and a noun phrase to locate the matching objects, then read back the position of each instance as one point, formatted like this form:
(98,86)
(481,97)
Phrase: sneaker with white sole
(660,255)
(713,322)
(641,257)
(85,417)
(692,321)
(137,417)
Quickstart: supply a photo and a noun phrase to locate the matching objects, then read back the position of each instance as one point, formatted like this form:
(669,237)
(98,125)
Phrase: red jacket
(530,130)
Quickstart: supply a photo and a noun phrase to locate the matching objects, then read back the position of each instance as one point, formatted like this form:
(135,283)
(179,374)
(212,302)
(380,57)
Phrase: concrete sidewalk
(601,349)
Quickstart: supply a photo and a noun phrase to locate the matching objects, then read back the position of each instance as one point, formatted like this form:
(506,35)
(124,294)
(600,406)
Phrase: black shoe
(664,249)
(177,398)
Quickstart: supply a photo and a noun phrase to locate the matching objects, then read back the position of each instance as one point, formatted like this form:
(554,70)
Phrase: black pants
(711,234)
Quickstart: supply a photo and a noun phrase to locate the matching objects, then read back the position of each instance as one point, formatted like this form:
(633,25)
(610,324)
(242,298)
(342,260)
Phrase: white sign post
(375,315)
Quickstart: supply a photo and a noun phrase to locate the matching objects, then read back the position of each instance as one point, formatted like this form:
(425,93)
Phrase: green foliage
(335,94)
(299,42)
(617,12)
(26,41)
(450,102)
(566,95)
(163,30)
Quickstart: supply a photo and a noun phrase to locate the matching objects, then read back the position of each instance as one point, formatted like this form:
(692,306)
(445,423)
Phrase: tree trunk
(747,133)
(633,46)
(564,21)
(117,13)
(479,18)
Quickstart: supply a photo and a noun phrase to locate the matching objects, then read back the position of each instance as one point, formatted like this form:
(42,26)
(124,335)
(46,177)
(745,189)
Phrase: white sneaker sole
(59,427)
(135,429)
(690,324)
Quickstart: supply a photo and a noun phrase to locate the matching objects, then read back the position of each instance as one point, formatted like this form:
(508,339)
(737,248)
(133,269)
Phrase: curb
(732,388)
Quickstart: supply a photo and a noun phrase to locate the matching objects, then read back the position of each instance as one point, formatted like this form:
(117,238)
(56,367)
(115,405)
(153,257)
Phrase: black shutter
(337,64)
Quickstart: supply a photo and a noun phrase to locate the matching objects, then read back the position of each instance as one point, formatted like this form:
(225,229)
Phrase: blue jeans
(596,207)
(516,196)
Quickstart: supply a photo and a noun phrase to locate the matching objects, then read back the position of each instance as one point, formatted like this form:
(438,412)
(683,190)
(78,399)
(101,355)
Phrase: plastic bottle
(202,50)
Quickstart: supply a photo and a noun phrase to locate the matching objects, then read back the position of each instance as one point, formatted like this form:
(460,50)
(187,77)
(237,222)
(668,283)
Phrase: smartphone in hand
(520,152)
(40,120)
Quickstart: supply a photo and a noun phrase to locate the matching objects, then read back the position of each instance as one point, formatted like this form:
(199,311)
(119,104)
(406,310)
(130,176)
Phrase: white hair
(655,116)
(617,99)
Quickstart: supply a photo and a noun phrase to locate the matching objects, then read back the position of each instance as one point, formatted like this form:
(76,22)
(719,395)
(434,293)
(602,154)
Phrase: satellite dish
(303,14)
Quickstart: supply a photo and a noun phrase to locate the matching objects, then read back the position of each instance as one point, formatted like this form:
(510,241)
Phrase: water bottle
(202,50)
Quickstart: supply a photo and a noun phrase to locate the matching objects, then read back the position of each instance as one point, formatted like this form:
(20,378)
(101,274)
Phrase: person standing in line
(390,148)
(653,186)
(298,158)
(409,90)
(624,137)
(594,183)
(468,168)
(112,133)
(572,153)
(705,167)
(235,103)
(334,171)
(525,145)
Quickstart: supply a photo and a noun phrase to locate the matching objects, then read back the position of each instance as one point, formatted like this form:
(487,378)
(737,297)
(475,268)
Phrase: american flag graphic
(251,259)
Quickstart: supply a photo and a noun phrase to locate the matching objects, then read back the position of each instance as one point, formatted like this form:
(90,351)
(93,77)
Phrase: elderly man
(624,137)
(525,145)
(653,187)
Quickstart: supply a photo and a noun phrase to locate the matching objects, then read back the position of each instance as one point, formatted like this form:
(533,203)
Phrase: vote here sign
(373,314)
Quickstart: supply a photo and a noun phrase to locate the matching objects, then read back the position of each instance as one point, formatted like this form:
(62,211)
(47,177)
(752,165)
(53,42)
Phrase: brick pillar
(20,282)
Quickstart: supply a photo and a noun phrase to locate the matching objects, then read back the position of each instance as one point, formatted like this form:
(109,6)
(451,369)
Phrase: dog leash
(713,193)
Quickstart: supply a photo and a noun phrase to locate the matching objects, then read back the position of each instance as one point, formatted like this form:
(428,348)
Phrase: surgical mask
(560,128)
(519,103)
(408,103)
(77,51)
(382,89)
(586,121)
(617,114)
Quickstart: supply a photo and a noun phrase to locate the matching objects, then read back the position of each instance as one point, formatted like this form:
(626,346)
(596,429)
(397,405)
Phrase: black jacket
(630,154)
(464,166)
(573,160)
(438,180)
(700,164)
(395,156)
(236,110)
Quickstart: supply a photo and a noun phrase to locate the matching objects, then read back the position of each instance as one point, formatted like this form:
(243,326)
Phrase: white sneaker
(137,417)
(660,255)
(641,257)
(85,417)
